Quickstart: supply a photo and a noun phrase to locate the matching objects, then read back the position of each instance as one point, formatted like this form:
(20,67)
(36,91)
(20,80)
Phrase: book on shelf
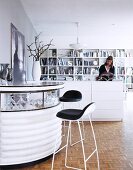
(120,70)
(53,52)
(77,62)
(90,54)
(44,70)
(69,78)
(44,61)
(61,78)
(52,61)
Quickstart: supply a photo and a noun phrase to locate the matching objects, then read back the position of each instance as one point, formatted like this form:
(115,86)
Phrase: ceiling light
(77,45)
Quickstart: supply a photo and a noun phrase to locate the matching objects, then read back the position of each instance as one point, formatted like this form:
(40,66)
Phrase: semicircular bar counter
(28,123)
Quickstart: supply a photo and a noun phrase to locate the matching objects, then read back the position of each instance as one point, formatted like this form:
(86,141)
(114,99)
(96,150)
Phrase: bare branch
(39,47)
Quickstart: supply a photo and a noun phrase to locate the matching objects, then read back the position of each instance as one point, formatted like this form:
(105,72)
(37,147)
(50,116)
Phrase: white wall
(101,34)
(102,23)
(97,36)
(93,42)
(11,11)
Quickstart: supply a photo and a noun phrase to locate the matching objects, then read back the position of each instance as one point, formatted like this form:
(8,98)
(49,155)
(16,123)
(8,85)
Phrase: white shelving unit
(129,69)
(74,65)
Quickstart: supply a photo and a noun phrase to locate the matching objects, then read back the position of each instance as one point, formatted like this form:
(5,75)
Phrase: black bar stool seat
(69,114)
(72,114)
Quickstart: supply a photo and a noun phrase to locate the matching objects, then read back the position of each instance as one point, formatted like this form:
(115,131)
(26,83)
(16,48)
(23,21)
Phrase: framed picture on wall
(17,55)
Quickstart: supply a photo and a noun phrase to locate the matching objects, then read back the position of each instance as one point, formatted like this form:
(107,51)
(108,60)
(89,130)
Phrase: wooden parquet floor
(115,145)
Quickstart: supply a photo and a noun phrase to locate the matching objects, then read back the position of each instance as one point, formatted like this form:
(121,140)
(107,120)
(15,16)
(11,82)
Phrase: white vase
(36,71)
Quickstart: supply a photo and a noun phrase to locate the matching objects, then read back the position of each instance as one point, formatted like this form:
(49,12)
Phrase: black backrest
(87,109)
(72,96)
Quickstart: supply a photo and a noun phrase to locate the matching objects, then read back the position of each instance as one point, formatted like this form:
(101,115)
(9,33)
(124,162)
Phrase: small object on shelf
(95,63)
(69,63)
(69,78)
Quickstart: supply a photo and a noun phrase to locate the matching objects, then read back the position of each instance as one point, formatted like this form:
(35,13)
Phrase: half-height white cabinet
(108,96)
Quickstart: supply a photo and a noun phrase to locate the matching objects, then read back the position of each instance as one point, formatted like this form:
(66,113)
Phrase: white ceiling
(96,17)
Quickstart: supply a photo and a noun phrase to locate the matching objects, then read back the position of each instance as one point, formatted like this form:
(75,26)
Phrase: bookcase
(129,69)
(81,65)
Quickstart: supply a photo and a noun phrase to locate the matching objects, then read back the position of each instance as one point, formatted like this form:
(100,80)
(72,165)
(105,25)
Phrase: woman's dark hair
(109,58)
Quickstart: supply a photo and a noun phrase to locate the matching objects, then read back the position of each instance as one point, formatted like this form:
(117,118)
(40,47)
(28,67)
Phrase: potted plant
(36,49)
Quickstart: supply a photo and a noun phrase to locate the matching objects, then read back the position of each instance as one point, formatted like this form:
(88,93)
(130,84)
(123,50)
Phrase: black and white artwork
(17,56)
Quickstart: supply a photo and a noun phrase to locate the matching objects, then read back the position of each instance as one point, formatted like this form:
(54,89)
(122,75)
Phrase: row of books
(90,54)
(65,53)
(69,71)
(66,62)
(65,70)
(48,61)
(121,70)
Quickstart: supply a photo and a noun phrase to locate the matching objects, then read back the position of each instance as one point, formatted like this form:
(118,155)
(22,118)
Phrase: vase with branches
(39,48)
(36,50)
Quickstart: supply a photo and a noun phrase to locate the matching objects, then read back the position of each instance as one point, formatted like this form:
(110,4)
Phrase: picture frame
(17,56)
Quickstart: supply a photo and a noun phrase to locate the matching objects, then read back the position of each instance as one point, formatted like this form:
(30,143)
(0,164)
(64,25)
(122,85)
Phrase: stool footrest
(72,167)
(60,149)
(76,142)
(91,155)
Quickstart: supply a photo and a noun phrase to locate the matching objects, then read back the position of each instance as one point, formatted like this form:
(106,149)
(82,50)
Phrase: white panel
(84,87)
(19,127)
(109,100)
(107,95)
(29,133)
(30,145)
(29,138)
(30,117)
(41,153)
(114,86)
(29,151)
(107,115)
(109,105)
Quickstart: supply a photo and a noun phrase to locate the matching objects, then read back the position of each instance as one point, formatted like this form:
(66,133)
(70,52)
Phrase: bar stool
(71,96)
(76,114)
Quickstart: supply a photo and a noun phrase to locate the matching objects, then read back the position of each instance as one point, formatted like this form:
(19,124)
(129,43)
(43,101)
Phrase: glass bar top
(31,84)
